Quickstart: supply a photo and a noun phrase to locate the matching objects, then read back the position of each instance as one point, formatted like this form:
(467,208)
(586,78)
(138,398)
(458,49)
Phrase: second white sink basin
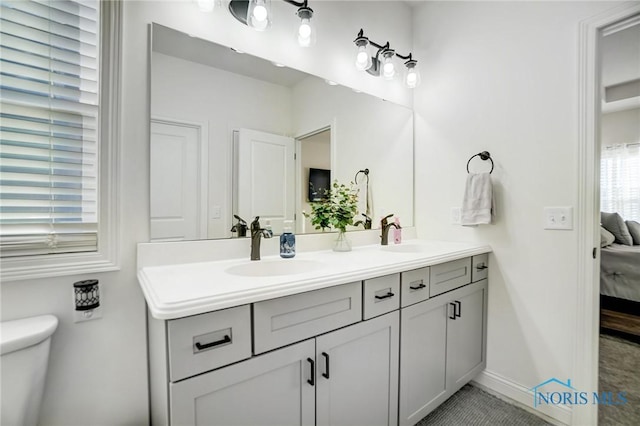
(404,248)
(269,268)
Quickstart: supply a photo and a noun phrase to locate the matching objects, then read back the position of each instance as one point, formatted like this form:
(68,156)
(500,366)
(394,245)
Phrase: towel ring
(484,155)
(366,173)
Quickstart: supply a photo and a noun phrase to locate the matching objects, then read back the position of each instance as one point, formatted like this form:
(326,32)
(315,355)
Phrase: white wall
(620,127)
(98,369)
(501,77)
(222,101)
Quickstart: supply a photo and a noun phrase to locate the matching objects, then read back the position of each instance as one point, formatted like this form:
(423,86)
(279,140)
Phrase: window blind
(49,79)
(620,180)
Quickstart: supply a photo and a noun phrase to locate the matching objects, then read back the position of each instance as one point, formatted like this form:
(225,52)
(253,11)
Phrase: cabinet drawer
(450,275)
(381,295)
(204,342)
(289,319)
(414,286)
(479,267)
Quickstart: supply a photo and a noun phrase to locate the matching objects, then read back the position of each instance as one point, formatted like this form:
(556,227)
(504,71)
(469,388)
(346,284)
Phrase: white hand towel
(478,206)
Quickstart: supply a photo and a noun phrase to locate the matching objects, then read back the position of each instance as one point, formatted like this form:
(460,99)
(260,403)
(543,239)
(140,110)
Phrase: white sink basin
(404,248)
(269,268)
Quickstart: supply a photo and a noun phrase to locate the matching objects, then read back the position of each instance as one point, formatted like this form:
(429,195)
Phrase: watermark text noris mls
(563,393)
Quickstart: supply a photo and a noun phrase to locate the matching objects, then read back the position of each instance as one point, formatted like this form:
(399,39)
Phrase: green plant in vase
(336,211)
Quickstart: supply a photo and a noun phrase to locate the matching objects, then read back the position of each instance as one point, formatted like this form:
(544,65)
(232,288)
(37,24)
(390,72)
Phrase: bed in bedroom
(620,284)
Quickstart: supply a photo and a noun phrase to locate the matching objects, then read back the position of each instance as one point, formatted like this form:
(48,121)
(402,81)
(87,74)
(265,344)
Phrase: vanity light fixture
(257,14)
(383,64)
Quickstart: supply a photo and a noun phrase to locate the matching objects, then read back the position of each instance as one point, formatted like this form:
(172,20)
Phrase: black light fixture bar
(380,47)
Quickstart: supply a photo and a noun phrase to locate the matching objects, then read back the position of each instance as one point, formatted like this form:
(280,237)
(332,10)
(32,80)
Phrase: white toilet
(24,350)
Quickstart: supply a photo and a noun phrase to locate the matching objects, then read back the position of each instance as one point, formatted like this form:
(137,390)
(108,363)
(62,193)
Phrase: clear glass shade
(388,68)
(412,77)
(259,14)
(306,32)
(363,59)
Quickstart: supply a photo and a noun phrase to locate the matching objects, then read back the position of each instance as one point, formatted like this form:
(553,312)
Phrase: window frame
(106,258)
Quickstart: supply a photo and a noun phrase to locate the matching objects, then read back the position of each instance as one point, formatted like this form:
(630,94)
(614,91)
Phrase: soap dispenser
(397,231)
(287,241)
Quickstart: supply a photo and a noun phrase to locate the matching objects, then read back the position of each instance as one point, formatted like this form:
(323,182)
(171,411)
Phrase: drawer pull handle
(459,310)
(386,296)
(453,316)
(326,365)
(312,380)
(481,267)
(418,287)
(201,347)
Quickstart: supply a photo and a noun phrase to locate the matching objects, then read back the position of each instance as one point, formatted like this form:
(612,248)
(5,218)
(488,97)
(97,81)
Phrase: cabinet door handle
(312,380)
(386,296)
(481,267)
(418,286)
(459,310)
(453,316)
(326,365)
(201,347)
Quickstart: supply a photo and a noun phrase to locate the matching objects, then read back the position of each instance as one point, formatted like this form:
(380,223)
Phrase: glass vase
(342,243)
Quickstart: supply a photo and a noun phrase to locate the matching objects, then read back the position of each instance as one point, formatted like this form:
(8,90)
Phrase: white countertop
(176,291)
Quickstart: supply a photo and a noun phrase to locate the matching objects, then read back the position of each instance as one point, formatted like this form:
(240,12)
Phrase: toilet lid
(22,333)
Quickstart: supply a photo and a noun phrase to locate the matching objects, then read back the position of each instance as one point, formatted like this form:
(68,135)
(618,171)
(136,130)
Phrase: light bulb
(412,76)
(362,59)
(388,70)
(206,5)
(260,13)
(388,67)
(306,30)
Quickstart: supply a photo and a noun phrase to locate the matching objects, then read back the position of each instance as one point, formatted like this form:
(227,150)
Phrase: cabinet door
(466,330)
(357,374)
(423,356)
(270,389)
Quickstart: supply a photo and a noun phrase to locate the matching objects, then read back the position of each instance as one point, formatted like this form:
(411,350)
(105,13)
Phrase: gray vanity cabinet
(357,374)
(340,355)
(442,348)
(346,377)
(270,389)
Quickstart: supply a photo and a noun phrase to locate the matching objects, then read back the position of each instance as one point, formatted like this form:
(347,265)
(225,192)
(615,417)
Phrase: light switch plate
(558,218)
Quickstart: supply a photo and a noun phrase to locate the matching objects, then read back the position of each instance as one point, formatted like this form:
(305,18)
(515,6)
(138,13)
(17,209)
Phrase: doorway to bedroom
(619,154)
(620,180)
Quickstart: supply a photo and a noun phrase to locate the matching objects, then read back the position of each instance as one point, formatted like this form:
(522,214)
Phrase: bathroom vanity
(376,336)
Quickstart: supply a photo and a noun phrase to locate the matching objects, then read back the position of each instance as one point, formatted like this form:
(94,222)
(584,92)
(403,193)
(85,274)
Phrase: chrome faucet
(384,227)
(256,233)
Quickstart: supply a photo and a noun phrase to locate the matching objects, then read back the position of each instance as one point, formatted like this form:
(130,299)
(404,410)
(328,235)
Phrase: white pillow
(606,237)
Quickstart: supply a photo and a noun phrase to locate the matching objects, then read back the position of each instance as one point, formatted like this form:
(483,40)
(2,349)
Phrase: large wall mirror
(233,135)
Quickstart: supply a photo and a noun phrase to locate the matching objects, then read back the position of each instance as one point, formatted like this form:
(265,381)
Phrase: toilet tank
(24,351)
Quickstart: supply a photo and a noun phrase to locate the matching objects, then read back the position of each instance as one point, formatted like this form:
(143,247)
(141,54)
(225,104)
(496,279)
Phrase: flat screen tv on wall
(319,183)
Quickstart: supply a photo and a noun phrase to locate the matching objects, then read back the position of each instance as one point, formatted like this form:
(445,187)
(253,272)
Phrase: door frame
(586,344)
(203,167)
(298,165)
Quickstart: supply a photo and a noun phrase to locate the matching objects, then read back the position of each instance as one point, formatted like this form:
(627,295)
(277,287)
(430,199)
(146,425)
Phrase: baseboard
(521,396)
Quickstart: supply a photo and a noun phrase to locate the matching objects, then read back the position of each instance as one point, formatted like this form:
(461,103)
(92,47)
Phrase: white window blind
(49,70)
(620,180)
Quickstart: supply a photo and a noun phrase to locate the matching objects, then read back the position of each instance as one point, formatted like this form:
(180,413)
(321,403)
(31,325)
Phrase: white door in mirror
(266,178)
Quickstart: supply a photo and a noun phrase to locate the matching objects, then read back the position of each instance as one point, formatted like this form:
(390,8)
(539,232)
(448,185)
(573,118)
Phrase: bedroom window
(620,180)
(55,101)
